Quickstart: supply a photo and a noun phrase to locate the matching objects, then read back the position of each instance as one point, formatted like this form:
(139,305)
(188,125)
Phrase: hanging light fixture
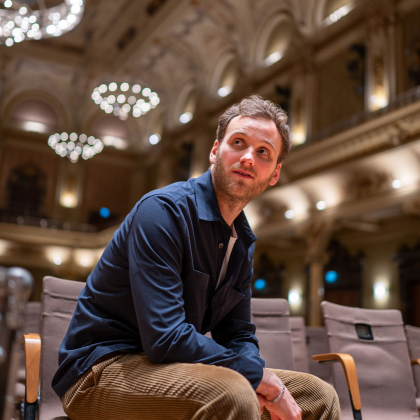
(73,146)
(32,19)
(123,99)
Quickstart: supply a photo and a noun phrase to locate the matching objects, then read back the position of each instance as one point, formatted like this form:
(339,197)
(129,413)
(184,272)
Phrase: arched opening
(26,187)
(34,115)
(228,78)
(188,109)
(278,42)
(112,131)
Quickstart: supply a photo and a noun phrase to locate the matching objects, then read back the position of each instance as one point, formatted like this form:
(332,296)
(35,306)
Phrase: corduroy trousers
(129,387)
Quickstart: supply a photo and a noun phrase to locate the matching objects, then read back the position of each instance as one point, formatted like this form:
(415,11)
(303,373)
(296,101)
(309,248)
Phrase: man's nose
(248,157)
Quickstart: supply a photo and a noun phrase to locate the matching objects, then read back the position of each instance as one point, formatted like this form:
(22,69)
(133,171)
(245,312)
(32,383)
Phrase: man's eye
(263,152)
(237,142)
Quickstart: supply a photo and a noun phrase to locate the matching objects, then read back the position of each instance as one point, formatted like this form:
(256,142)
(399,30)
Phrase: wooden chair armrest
(415,361)
(32,344)
(349,370)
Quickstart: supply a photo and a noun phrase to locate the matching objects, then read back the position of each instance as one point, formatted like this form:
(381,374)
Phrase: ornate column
(317,236)
(381,54)
(303,90)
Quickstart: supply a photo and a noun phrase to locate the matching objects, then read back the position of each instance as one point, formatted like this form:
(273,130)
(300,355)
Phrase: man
(180,266)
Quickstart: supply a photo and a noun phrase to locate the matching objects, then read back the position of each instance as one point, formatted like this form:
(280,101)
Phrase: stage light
(260,284)
(331,276)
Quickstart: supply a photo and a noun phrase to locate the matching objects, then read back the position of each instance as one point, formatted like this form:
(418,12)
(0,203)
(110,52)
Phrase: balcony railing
(403,99)
(47,223)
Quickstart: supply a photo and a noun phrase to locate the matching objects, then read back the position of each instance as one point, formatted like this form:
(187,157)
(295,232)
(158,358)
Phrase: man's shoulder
(173,192)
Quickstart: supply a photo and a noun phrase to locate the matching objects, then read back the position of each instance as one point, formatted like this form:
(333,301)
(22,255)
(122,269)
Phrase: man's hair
(255,106)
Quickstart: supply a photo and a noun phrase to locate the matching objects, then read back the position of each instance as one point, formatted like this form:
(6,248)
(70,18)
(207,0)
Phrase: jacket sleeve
(155,247)
(236,331)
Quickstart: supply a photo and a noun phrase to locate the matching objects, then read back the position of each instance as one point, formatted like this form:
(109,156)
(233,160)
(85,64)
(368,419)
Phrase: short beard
(235,191)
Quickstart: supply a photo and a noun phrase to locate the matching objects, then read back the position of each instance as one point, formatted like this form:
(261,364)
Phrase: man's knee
(327,397)
(328,392)
(237,393)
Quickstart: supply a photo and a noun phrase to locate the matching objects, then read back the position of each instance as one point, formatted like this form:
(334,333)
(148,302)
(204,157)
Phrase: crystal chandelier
(123,99)
(36,19)
(73,146)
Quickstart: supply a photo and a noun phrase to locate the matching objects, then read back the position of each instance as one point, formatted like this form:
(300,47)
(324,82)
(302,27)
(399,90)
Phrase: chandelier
(33,19)
(73,146)
(125,99)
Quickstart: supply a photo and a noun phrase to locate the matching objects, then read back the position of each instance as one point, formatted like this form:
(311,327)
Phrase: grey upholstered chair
(59,300)
(376,341)
(317,343)
(300,351)
(271,317)
(413,339)
(32,325)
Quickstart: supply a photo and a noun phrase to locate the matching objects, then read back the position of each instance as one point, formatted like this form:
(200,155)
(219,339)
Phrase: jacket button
(220,245)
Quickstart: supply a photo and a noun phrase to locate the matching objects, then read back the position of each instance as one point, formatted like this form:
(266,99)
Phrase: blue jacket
(153,289)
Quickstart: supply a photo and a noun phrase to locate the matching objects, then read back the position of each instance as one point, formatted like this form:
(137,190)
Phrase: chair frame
(349,367)
(32,345)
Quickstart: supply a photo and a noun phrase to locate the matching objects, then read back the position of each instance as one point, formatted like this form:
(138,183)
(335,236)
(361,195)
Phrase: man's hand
(284,409)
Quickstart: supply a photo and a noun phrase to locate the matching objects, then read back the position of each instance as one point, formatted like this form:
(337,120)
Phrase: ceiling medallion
(73,146)
(123,99)
(32,19)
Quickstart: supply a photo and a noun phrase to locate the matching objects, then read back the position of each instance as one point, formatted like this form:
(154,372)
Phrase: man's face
(245,162)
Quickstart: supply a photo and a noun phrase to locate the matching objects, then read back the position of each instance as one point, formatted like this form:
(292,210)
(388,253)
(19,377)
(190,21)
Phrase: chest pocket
(194,294)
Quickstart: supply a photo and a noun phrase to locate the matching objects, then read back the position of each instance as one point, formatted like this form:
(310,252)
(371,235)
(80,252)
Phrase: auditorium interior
(119,98)
(342,224)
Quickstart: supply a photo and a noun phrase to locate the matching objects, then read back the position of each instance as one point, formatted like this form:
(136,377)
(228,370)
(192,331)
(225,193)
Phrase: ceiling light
(224,91)
(289,214)
(154,139)
(116,142)
(138,103)
(52,21)
(321,205)
(273,58)
(76,146)
(185,117)
(396,183)
(57,260)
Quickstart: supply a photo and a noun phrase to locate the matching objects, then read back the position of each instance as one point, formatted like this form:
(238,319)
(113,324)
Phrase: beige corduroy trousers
(129,387)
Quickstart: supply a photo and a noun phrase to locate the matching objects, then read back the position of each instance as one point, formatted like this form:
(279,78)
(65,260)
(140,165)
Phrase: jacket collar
(208,207)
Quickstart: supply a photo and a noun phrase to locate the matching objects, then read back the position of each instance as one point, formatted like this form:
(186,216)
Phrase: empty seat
(271,317)
(32,325)
(376,341)
(413,339)
(59,301)
(317,342)
(300,351)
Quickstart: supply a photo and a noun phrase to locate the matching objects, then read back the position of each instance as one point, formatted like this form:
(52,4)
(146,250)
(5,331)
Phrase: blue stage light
(104,212)
(260,284)
(331,276)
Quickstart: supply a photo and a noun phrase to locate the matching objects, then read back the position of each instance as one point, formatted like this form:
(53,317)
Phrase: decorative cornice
(385,132)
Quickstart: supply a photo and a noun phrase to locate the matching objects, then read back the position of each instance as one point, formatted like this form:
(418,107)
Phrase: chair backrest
(376,341)
(271,317)
(32,318)
(317,342)
(413,339)
(300,351)
(59,300)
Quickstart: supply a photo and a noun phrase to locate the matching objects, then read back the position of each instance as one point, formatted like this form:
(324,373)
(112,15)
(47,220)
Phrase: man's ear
(276,175)
(213,152)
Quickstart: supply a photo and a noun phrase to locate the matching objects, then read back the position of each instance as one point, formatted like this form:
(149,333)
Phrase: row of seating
(371,342)
(372,346)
